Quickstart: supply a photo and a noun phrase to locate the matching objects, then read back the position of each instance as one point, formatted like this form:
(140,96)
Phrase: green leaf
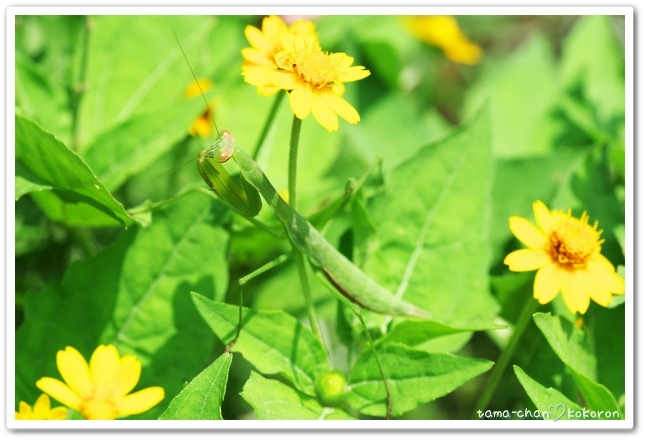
(593,61)
(273,341)
(608,329)
(550,402)
(41,100)
(124,79)
(432,220)
(570,343)
(131,146)
(597,396)
(77,198)
(135,295)
(202,398)
(273,400)
(413,332)
(521,89)
(414,377)
(395,130)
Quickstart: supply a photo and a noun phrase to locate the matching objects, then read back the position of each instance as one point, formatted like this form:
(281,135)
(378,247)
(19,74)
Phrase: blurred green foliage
(101,134)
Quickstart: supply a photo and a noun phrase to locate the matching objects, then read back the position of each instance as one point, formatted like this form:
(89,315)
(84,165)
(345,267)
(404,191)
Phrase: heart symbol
(554,410)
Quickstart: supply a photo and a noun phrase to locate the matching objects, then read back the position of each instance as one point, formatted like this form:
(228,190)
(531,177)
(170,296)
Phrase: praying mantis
(351,285)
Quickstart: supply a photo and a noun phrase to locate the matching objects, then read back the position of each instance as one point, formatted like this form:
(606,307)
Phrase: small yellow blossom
(203,124)
(100,391)
(265,44)
(315,79)
(443,31)
(42,410)
(566,251)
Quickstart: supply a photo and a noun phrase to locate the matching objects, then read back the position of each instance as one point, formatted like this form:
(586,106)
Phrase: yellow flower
(100,391)
(202,124)
(567,253)
(315,79)
(443,31)
(265,45)
(41,411)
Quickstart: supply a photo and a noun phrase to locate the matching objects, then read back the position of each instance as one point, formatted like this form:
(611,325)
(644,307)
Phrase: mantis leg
(356,311)
(244,280)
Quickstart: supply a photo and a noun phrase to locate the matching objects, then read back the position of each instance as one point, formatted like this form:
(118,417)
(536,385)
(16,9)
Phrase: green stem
(505,356)
(268,122)
(293,160)
(300,261)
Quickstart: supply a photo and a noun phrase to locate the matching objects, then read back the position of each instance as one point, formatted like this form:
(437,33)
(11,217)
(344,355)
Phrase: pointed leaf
(571,344)
(597,397)
(550,402)
(431,222)
(414,377)
(131,146)
(77,198)
(273,341)
(202,398)
(520,129)
(412,332)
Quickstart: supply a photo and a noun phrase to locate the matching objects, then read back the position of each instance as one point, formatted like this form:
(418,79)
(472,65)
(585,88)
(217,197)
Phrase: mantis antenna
(198,83)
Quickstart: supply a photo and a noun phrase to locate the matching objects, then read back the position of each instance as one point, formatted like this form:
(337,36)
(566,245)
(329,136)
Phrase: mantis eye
(227,146)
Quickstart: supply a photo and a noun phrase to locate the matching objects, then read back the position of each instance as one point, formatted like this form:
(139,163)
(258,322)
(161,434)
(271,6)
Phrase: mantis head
(233,190)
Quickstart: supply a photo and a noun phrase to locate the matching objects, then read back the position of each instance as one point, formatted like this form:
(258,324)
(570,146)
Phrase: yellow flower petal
(342,107)
(301,100)
(256,76)
(58,413)
(197,87)
(24,411)
(201,126)
(354,73)
(324,114)
(103,366)
(287,41)
(257,39)
(140,401)
(127,375)
(542,216)
(546,284)
(268,90)
(526,232)
(575,291)
(527,260)
(60,391)
(284,80)
(257,57)
(42,405)
(74,370)
(604,274)
(273,25)
(463,52)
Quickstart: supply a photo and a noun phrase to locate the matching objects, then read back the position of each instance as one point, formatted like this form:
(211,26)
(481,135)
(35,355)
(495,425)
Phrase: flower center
(572,240)
(98,409)
(315,69)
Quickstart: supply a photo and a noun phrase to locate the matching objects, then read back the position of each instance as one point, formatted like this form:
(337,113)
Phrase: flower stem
(505,356)
(268,122)
(293,159)
(300,262)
